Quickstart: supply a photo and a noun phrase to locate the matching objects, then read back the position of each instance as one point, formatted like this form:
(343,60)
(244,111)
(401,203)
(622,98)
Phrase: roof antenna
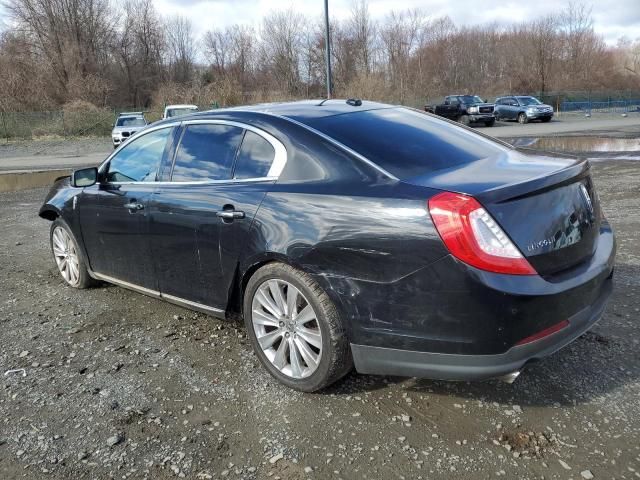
(322,102)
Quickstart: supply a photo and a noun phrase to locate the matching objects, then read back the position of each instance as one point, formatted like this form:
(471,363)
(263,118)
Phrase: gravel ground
(73,146)
(119,385)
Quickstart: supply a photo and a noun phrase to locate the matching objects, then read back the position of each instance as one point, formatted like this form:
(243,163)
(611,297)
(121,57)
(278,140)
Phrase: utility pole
(327,46)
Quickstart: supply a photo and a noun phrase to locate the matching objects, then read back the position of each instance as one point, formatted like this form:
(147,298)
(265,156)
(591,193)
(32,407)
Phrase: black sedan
(347,234)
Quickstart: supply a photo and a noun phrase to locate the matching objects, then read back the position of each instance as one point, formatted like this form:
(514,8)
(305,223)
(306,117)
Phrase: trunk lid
(546,205)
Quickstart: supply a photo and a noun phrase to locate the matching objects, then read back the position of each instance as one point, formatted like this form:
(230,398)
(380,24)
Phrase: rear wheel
(522,118)
(295,328)
(67,256)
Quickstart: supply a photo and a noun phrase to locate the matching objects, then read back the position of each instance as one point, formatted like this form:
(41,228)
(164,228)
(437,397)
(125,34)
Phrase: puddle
(579,144)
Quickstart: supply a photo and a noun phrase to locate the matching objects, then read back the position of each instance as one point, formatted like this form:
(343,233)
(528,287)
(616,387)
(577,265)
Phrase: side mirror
(84,177)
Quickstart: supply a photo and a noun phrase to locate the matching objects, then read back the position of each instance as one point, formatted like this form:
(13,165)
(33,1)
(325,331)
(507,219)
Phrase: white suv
(126,125)
(177,110)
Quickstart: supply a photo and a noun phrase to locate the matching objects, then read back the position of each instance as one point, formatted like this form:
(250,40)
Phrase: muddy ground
(119,385)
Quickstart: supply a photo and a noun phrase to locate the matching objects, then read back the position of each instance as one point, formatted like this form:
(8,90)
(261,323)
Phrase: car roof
(307,109)
(301,111)
(120,117)
(182,105)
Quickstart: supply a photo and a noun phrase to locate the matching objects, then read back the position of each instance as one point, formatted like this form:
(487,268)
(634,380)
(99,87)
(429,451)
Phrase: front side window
(526,101)
(255,157)
(470,99)
(206,152)
(139,160)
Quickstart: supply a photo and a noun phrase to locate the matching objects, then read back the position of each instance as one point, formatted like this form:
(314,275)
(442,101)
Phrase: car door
(201,216)
(499,108)
(513,108)
(113,212)
(454,107)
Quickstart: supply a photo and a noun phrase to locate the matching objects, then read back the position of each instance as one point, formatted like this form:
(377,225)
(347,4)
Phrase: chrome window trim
(277,166)
(340,145)
(201,182)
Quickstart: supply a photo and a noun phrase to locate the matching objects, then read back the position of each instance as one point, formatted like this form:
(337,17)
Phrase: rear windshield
(131,122)
(177,112)
(407,143)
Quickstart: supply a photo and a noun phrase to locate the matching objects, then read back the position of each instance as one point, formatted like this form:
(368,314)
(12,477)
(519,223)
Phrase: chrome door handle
(230,214)
(133,206)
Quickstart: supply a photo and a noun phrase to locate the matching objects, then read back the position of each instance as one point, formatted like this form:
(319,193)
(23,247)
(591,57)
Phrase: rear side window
(407,143)
(255,157)
(206,152)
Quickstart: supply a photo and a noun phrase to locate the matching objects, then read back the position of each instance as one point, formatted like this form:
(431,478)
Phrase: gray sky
(612,18)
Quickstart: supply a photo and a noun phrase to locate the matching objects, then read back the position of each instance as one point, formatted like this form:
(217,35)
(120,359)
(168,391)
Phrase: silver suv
(126,125)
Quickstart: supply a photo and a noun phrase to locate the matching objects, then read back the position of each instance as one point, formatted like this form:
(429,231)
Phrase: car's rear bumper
(408,363)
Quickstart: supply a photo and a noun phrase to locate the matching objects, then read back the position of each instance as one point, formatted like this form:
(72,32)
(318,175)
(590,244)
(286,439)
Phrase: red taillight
(473,236)
(544,333)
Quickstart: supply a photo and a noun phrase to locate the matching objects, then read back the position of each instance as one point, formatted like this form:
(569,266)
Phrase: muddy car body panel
(352,206)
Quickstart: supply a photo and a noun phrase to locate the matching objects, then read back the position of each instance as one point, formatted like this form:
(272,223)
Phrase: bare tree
(181,48)
(71,36)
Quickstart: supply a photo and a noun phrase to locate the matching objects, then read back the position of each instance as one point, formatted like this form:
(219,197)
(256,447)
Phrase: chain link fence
(71,123)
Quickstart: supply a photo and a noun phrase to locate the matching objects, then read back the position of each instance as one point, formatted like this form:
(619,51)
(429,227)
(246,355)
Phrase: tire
(522,118)
(332,359)
(490,123)
(68,256)
(464,119)
(497,116)
(546,120)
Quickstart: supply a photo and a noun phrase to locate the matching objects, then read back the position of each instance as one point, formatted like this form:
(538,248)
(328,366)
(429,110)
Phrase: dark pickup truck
(465,109)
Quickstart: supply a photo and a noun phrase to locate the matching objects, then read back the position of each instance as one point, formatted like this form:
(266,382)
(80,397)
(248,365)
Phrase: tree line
(126,54)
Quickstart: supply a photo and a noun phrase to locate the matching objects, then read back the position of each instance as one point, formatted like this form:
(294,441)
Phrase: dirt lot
(119,385)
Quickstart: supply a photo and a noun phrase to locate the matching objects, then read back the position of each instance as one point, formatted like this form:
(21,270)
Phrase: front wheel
(464,119)
(68,257)
(490,123)
(522,118)
(295,328)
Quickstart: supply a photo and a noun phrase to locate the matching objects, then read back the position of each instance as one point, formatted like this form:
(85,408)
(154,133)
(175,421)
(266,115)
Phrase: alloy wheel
(287,329)
(64,251)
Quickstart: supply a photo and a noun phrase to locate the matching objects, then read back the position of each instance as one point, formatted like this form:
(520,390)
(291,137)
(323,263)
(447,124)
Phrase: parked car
(465,109)
(347,234)
(126,125)
(522,108)
(171,111)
